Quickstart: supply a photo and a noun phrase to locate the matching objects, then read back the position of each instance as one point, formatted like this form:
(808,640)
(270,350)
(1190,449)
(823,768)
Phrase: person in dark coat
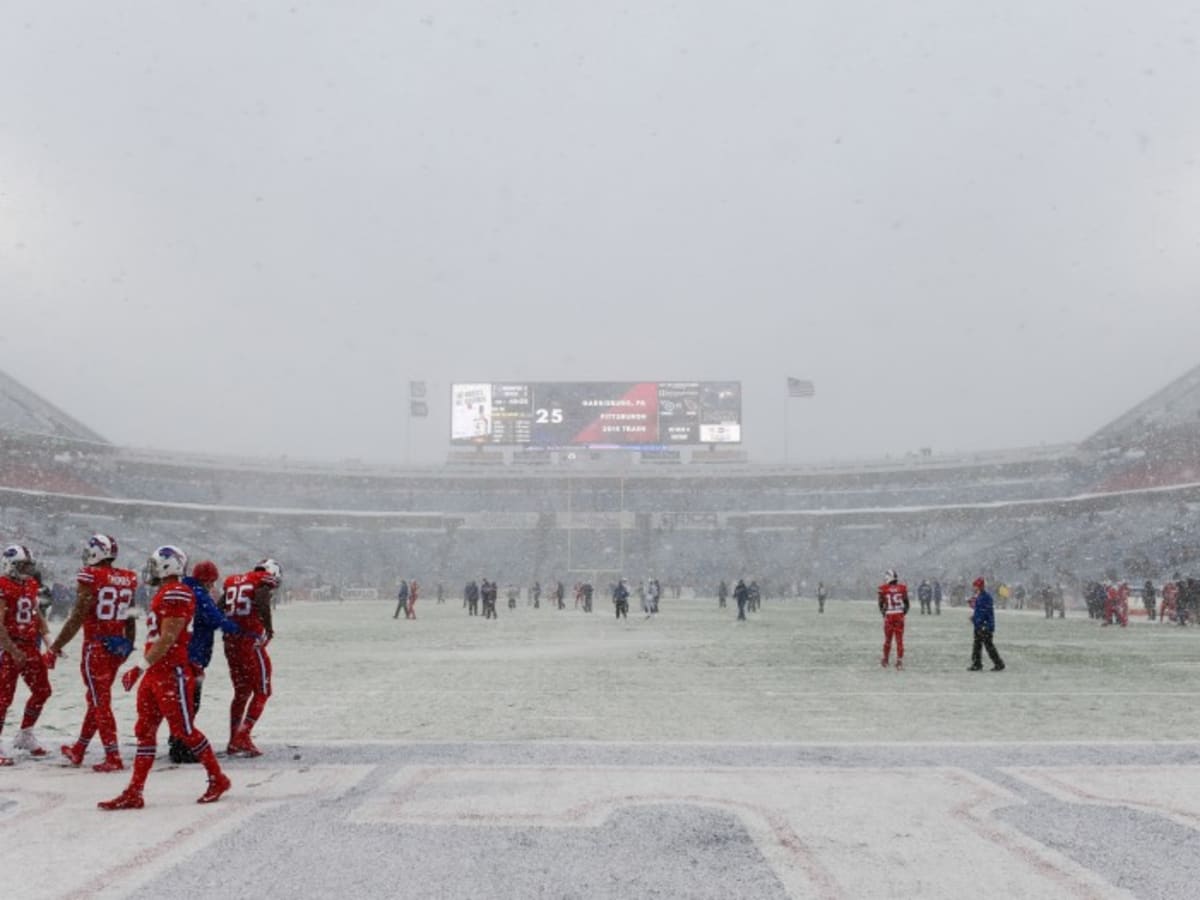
(925,596)
(621,599)
(471,596)
(741,596)
(401,600)
(205,621)
(983,618)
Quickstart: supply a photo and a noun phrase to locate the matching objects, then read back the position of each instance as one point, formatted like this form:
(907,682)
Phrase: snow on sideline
(670,787)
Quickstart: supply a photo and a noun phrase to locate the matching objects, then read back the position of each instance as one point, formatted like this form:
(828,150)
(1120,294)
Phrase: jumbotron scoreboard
(598,414)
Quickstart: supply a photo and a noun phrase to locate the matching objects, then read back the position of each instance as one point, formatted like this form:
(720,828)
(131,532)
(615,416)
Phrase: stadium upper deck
(1060,507)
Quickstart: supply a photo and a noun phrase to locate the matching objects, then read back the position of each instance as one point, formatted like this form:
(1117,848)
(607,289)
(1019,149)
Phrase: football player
(22,628)
(893,606)
(166,690)
(104,609)
(248,604)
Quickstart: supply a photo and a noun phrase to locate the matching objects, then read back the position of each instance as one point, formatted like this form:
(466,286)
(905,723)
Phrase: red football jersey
(893,598)
(240,592)
(173,600)
(20,608)
(114,589)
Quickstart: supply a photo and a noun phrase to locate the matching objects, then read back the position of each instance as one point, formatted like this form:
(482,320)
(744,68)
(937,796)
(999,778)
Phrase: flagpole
(787,421)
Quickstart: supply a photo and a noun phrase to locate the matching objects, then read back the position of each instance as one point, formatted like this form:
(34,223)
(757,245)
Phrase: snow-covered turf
(558,754)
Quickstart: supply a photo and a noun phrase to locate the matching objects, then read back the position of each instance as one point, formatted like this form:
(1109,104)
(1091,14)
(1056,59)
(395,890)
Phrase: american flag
(800,387)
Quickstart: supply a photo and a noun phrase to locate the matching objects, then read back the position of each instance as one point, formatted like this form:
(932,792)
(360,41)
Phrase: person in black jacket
(621,599)
(741,596)
(471,596)
(925,596)
(401,599)
(487,593)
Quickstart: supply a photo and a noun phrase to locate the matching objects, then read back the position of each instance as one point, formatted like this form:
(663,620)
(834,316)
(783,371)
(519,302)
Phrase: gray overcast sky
(244,227)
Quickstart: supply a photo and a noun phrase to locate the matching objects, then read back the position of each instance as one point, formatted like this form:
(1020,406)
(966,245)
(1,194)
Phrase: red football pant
(250,671)
(33,672)
(99,669)
(1120,608)
(166,693)
(893,627)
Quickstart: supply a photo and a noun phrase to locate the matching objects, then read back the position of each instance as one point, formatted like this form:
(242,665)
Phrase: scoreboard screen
(631,414)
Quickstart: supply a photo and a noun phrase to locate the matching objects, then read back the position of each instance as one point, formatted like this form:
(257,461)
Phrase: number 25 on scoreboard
(548,416)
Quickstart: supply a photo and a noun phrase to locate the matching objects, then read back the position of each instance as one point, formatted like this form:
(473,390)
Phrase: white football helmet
(165,562)
(99,548)
(890,576)
(16,561)
(269,566)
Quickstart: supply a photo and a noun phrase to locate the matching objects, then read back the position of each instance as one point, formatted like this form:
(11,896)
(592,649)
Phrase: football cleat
(899,664)
(5,760)
(127,799)
(243,746)
(26,741)
(883,662)
(110,764)
(73,753)
(217,785)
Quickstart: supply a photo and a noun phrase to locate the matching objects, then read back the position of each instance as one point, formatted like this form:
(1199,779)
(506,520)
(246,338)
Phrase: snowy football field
(558,754)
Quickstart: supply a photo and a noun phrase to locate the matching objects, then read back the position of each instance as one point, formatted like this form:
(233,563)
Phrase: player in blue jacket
(207,619)
(983,618)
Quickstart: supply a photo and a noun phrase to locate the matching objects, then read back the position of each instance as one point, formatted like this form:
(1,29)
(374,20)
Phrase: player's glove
(49,657)
(118,646)
(231,628)
(129,679)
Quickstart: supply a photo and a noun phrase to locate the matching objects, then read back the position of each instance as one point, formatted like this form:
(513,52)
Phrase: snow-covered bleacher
(1056,511)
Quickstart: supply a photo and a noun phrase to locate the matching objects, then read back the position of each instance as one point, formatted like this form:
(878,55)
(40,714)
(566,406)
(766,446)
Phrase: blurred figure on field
(1149,599)
(1116,604)
(471,598)
(937,597)
(621,599)
(1046,595)
(722,594)
(822,596)
(1170,601)
(410,608)
(401,600)
(741,596)
(925,597)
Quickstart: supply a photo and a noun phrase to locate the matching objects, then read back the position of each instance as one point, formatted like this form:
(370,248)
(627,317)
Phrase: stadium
(1120,503)
(555,754)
